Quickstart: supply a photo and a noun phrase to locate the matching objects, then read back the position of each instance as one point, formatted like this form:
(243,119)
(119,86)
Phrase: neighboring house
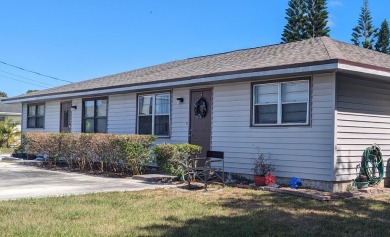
(314,105)
(11,111)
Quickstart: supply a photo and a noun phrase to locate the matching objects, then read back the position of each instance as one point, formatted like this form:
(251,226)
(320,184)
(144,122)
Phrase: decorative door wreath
(200,107)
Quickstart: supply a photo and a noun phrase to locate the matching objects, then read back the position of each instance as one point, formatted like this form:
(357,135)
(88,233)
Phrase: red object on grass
(269,179)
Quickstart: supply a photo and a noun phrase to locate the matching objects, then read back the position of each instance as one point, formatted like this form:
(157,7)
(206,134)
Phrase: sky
(77,40)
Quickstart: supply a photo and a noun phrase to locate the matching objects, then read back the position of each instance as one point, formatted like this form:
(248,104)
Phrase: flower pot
(360,185)
(259,180)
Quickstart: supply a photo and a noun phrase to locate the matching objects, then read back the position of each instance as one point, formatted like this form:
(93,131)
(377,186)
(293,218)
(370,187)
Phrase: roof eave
(363,69)
(279,71)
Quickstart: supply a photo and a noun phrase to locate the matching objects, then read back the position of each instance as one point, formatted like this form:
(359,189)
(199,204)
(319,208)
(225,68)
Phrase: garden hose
(371,162)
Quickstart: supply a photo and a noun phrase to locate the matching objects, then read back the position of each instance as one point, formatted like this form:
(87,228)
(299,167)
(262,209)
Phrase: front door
(200,119)
(66,116)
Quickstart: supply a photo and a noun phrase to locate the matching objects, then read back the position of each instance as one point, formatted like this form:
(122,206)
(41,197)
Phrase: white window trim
(154,112)
(279,106)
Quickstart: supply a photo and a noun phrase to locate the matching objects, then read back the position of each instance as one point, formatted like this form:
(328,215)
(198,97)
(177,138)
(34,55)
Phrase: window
(153,114)
(95,115)
(281,103)
(35,116)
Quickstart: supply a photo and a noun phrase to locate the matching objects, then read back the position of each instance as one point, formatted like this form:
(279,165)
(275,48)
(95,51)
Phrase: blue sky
(79,40)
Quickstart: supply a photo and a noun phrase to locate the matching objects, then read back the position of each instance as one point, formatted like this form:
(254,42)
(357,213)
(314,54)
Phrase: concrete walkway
(20,181)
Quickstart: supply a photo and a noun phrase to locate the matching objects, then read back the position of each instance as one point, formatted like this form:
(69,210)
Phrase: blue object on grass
(292,182)
(295,183)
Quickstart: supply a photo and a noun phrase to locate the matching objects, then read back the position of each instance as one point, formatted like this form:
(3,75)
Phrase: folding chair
(206,168)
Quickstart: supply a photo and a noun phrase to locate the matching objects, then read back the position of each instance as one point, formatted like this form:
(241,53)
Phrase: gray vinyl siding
(24,117)
(302,151)
(122,115)
(363,118)
(180,115)
(52,118)
(77,116)
(122,111)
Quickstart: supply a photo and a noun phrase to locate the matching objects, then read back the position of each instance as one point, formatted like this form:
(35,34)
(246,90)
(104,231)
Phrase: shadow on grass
(277,215)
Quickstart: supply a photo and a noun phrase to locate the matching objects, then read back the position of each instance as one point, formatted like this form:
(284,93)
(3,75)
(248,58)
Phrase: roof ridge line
(332,50)
(326,48)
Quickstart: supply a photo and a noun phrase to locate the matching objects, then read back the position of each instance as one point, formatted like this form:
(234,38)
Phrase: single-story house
(314,105)
(11,111)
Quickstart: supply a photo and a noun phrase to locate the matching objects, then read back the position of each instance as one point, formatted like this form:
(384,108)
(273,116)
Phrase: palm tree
(9,133)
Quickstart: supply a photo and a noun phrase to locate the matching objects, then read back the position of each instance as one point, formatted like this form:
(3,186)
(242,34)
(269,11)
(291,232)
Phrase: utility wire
(26,78)
(23,81)
(55,78)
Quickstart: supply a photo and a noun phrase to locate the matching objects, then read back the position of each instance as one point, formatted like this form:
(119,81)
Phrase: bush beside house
(89,152)
(170,158)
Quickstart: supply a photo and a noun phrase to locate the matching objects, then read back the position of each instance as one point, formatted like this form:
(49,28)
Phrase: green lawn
(178,212)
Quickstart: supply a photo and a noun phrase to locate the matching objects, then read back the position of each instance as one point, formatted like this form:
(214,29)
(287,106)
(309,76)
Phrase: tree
(317,18)
(3,94)
(295,29)
(364,34)
(9,133)
(31,91)
(305,19)
(383,43)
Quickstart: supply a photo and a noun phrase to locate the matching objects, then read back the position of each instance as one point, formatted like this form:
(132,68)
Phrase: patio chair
(206,169)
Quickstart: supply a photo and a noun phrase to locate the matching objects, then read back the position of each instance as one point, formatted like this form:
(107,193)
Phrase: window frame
(154,93)
(95,117)
(279,115)
(36,115)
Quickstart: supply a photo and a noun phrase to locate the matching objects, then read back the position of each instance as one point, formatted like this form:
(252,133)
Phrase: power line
(40,74)
(23,81)
(26,78)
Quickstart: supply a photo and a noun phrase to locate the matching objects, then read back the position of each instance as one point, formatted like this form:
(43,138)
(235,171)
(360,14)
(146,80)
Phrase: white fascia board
(181,83)
(10,114)
(375,72)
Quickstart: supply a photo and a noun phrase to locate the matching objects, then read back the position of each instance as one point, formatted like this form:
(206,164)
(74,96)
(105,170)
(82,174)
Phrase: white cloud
(335,3)
(331,21)
(331,24)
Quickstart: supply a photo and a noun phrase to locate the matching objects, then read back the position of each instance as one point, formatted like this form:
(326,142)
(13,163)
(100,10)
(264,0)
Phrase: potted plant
(263,165)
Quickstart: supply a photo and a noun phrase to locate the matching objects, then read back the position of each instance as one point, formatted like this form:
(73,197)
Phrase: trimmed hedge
(86,151)
(170,157)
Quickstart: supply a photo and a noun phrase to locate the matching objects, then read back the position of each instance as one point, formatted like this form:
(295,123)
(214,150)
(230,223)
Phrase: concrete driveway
(21,181)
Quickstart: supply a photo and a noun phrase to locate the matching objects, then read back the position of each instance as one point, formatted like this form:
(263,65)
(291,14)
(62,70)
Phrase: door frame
(191,110)
(61,115)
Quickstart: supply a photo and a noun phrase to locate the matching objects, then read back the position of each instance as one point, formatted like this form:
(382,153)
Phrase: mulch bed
(320,195)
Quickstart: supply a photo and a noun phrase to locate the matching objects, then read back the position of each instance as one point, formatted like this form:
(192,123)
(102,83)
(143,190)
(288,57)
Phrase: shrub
(170,158)
(189,150)
(93,151)
(133,150)
(165,154)
(263,164)
(139,153)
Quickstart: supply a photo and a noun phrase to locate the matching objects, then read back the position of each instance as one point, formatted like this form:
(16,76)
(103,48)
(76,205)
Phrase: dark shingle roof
(302,52)
(10,108)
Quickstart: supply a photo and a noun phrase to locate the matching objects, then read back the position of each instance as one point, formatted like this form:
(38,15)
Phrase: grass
(177,212)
